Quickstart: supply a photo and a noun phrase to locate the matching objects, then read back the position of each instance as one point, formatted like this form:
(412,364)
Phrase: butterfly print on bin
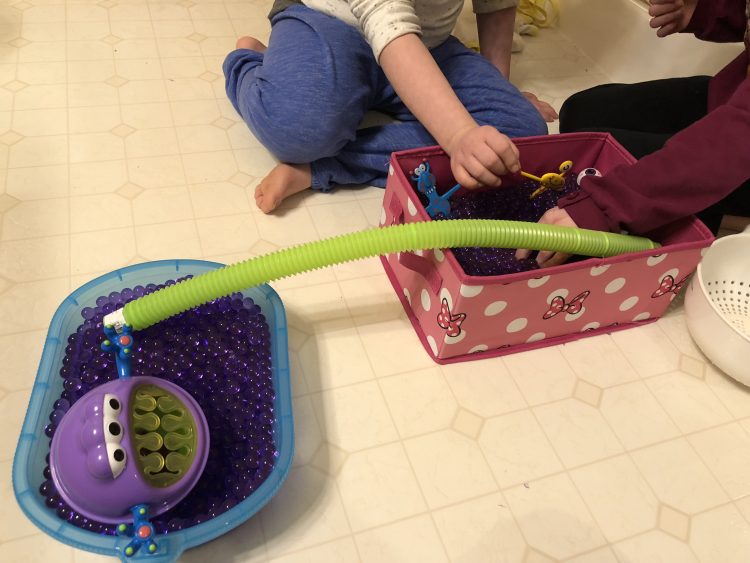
(558,305)
(668,285)
(448,321)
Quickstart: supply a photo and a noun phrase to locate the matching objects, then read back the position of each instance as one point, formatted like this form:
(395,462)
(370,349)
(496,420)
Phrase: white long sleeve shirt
(382,21)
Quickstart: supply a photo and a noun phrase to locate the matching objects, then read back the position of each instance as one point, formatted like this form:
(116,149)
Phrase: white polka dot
(439,254)
(579,314)
(471,290)
(433,345)
(629,303)
(642,317)
(674,272)
(538,282)
(426,304)
(557,293)
(536,337)
(478,348)
(615,285)
(419,252)
(516,325)
(590,326)
(382,216)
(445,294)
(407,295)
(599,270)
(654,260)
(455,339)
(391,170)
(495,308)
(410,207)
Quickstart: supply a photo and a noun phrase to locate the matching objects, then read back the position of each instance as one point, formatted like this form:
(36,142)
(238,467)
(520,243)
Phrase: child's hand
(670,16)
(545,258)
(480,155)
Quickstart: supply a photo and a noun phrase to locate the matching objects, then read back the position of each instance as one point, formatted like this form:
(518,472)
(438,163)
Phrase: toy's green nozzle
(150,309)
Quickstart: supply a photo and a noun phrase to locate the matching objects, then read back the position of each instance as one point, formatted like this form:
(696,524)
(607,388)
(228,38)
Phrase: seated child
(691,135)
(329,62)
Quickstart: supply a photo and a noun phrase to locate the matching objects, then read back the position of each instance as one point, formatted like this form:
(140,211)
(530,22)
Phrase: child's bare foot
(251,43)
(283,181)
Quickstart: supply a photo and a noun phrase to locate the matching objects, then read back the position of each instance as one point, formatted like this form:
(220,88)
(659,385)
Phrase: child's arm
(479,155)
(496,37)
(697,168)
(495,43)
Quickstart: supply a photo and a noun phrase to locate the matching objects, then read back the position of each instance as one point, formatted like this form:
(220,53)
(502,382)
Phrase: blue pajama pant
(305,97)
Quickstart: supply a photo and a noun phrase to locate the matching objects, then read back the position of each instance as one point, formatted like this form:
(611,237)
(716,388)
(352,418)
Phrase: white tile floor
(113,123)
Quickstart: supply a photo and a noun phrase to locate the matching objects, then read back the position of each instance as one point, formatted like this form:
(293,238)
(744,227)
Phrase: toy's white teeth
(116,319)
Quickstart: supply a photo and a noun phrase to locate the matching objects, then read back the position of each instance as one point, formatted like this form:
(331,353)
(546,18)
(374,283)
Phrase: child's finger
(665,30)
(666,4)
(481,173)
(464,178)
(543,256)
(522,253)
(661,9)
(547,259)
(506,150)
(489,160)
(661,21)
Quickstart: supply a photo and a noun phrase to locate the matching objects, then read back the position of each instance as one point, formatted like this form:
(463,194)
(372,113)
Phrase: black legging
(642,117)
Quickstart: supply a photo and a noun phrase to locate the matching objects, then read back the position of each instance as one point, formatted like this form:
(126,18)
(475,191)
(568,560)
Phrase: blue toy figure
(437,204)
(141,530)
(122,346)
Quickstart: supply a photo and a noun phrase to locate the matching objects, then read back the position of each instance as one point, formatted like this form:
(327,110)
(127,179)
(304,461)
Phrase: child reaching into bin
(691,135)
(329,62)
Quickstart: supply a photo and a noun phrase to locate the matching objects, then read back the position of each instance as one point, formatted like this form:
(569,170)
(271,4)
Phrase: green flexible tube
(150,309)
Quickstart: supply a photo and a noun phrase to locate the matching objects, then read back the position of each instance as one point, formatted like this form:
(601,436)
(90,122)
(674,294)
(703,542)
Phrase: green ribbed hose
(150,309)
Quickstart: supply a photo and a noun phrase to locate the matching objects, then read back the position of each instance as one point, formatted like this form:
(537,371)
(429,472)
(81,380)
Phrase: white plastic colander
(717,305)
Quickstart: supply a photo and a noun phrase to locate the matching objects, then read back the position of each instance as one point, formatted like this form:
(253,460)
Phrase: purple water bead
(72,384)
(88,313)
(79,520)
(56,416)
(61,404)
(53,501)
(47,488)
(64,512)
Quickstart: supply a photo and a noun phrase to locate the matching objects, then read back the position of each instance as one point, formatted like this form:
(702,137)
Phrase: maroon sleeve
(697,167)
(720,21)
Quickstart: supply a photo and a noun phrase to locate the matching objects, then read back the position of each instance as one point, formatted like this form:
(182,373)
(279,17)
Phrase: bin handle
(424,267)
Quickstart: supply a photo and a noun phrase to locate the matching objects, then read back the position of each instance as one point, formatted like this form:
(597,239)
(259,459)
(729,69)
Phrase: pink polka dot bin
(460,317)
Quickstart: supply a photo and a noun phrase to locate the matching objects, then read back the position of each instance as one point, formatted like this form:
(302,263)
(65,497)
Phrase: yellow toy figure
(550,180)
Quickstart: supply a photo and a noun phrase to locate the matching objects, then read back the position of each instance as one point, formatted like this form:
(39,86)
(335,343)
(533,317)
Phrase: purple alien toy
(129,449)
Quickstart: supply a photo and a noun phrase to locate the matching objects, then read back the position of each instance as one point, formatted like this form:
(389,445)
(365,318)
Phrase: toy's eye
(565,166)
(422,167)
(112,406)
(112,431)
(587,172)
(117,459)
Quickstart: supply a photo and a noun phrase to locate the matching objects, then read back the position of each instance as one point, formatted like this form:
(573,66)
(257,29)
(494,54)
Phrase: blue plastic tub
(33,445)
